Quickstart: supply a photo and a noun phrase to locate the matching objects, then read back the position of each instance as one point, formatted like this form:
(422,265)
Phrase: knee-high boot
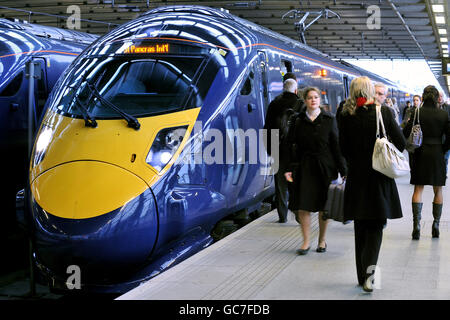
(417,210)
(437,210)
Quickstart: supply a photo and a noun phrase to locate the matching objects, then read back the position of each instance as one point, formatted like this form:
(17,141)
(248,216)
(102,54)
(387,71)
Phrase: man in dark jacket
(339,110)
(406,109)
(287,100)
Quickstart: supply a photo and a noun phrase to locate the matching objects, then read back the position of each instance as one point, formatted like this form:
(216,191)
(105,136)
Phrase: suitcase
(334,207)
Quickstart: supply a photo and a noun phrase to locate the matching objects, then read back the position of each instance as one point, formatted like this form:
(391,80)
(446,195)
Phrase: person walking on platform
(314,161)
(370,197)
(407,113)
(417,100)
(396,110)
(428,164)
(405,110)
(446,108)
(380,93)
(287,100)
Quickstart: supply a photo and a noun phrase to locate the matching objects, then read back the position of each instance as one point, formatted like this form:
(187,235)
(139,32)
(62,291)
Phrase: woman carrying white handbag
(370,196)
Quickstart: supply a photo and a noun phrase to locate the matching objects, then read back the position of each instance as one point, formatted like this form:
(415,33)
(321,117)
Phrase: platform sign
(446,66)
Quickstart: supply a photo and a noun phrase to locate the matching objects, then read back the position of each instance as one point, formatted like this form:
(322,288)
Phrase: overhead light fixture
(440,20)
(445,55)
(438,7)
(444,39)
(442,31)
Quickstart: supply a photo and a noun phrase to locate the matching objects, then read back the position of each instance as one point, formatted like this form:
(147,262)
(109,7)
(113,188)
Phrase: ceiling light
(444,40)
(438,7)
(445,55)
(440,20)
(442,31)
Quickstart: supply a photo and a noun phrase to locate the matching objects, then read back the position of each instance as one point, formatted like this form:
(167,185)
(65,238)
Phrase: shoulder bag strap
(418,120)
(380,120)
(377,109)
(414,118)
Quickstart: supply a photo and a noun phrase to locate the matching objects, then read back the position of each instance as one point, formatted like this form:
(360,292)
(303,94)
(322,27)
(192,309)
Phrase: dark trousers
(281,194)
(368,236)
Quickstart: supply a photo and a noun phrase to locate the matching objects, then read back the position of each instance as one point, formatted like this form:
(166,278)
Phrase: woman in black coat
(428,162)
(313,164)
(370,197)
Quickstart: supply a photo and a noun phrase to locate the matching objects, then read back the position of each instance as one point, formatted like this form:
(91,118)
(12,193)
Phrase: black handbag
(415,138)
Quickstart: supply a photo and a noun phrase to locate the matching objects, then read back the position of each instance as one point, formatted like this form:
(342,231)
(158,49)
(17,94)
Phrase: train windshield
(139,86)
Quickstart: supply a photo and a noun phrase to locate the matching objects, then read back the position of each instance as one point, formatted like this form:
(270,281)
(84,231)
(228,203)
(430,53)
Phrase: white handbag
(386,158)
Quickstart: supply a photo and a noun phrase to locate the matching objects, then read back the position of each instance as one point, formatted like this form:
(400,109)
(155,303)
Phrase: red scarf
(361,101)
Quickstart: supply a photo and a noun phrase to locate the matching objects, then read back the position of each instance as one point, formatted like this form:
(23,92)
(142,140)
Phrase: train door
(264,72)
(264,100)
(13,121)
(41,91)
(246,176)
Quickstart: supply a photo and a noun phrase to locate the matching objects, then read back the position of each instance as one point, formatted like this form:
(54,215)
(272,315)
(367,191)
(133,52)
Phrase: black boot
(437,210)
(417,210)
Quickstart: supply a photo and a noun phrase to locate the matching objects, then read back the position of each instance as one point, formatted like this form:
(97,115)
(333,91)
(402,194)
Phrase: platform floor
(259,262)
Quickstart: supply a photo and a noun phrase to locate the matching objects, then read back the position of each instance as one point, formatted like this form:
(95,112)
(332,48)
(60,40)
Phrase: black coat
(315,160)
(275,110)
(369,194)
(428,163)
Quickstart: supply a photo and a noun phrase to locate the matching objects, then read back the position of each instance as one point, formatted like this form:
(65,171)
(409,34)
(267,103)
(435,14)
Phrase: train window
(142,86)
(13,87)
(248,85)
(325,98)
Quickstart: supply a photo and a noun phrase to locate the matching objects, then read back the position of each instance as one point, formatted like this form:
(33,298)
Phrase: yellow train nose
(85,189)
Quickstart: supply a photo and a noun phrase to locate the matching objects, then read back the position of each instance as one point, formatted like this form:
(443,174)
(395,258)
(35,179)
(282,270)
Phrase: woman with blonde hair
(370,197)
(313,163)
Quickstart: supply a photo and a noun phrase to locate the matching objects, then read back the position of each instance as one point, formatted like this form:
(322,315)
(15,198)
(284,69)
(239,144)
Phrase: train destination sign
(156,48)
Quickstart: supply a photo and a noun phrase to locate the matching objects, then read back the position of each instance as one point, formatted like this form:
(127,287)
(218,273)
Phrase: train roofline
(49,32)
(224,14)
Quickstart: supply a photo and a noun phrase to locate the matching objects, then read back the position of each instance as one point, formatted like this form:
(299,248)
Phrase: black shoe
(368,285)
(302,252)
(322,249)
(435,230)
(282,221)
(437,211)
(417,215)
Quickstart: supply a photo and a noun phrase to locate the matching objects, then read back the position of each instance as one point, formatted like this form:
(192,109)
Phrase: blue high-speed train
(128,175)
(53,49)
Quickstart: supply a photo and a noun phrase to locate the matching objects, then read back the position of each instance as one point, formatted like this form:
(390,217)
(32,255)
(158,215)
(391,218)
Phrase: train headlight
(166,144)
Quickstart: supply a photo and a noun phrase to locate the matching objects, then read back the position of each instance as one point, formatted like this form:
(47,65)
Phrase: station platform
(259,262)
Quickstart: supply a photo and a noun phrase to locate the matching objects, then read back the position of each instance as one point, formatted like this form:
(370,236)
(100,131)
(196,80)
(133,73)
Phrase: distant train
(53,49)
(113,188)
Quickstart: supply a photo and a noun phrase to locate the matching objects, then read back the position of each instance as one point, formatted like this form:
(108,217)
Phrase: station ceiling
(406,29)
